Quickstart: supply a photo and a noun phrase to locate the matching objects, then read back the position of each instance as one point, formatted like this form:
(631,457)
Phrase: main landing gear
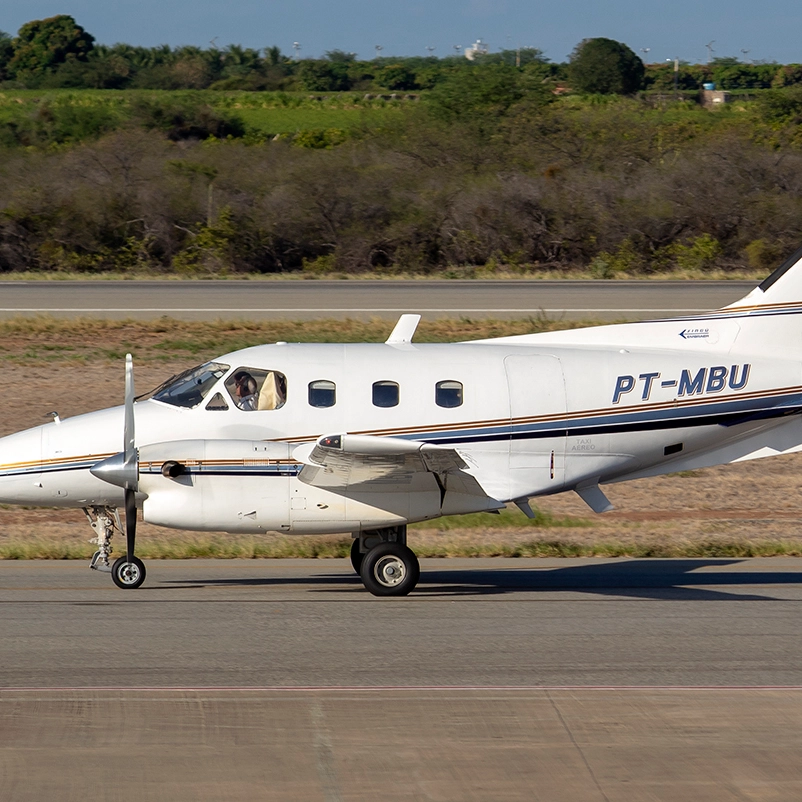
(386,565)
(124,573)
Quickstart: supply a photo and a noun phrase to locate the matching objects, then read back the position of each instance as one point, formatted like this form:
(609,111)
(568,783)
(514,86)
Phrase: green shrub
(625,259)
(762,254)
(698,255)
(182,119)
(320,139)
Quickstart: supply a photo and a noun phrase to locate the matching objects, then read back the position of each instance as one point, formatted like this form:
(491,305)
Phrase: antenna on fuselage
(404,330)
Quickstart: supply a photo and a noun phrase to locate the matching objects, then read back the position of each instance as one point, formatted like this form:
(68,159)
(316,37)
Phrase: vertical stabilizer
(783,286)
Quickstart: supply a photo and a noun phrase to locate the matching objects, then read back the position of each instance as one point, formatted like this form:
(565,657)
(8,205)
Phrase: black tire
(356,555)
(390,569)
(128,576)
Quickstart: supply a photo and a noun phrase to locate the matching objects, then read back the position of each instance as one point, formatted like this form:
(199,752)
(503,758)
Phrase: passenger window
(385,394)
(322,393)
(218,403)
(255,388)
(448,394)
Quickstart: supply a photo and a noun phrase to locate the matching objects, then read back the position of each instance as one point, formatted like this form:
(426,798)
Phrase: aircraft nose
(21,468)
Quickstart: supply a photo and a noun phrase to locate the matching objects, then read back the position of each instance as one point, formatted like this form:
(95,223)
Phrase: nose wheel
(128,574)
(390,569)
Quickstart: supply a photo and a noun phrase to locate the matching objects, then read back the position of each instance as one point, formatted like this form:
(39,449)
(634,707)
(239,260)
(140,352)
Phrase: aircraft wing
(344,460)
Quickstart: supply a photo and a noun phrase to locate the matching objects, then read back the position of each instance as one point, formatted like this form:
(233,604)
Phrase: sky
(769,31)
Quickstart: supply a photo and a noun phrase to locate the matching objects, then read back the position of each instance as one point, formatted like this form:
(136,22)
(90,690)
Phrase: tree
(340,56)
(604,66)
(41,45)
(273,56)
(396,77)
(6,54)
(474,91)
(324,76)
(516,57)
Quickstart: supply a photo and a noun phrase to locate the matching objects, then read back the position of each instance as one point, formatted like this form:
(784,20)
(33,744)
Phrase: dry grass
(47,340)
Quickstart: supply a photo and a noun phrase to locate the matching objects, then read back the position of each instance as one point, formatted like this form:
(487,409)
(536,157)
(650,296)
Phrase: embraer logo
(695,334)
(704,380)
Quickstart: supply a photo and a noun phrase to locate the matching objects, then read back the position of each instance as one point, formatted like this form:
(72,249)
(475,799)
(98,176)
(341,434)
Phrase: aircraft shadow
(669,580)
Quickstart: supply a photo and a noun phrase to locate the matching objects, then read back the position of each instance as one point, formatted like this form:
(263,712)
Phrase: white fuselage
(537,415)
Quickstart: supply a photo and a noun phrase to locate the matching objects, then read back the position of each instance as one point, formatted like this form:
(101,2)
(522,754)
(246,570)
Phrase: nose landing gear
(128,574)
(103,521)
(121,470)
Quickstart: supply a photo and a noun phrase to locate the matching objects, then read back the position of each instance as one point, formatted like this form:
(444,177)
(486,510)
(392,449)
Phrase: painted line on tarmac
(400,309)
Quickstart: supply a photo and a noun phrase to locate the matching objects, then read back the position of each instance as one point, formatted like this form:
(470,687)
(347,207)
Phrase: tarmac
(498,679)
(571,745)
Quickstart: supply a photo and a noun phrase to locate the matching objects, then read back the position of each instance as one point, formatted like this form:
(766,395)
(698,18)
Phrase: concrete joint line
(324,754)
(577,747)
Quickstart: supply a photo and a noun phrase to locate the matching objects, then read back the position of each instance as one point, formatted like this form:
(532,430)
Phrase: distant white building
(478,48)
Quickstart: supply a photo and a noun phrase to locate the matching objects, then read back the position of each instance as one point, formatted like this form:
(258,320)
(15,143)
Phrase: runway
(449,746)
(498,622)
(584,679)
(298,300)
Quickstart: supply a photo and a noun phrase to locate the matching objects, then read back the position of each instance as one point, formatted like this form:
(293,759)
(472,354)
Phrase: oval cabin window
(448,393)
(322,393)
(385,394)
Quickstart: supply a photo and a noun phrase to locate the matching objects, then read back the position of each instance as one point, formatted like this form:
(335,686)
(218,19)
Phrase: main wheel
(128,575)
(356,555)
(390,569)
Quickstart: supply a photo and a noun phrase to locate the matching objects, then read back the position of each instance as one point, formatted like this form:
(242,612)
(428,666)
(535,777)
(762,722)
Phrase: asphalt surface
(262,300)
(494,622)
(285,680)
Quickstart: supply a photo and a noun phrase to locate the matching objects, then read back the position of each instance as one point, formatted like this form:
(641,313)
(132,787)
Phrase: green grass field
(262,112)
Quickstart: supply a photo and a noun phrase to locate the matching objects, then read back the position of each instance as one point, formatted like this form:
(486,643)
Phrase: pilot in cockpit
(245,390)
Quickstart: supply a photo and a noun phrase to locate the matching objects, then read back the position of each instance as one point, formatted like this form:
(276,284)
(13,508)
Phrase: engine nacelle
(253,486)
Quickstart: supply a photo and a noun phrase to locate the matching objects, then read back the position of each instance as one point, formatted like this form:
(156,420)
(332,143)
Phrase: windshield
(189,388)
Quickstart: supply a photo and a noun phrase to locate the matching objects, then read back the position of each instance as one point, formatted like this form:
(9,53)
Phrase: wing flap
(346,460)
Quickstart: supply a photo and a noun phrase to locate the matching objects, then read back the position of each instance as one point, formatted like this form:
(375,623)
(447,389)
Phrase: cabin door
(537,424)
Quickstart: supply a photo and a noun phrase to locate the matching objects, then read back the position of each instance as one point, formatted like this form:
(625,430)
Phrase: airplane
(365,439)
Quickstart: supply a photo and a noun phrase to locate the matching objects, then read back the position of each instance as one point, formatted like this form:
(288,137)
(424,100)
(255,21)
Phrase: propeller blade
(131,459)
(129,434)
(130,524)
(123,469)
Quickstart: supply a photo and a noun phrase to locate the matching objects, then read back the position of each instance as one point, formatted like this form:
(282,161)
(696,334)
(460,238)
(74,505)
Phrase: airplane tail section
(781,290)
(768,319)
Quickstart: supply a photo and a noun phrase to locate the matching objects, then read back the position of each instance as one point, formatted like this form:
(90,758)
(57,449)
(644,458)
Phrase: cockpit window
(189,388)
(218,403)
(256,388)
